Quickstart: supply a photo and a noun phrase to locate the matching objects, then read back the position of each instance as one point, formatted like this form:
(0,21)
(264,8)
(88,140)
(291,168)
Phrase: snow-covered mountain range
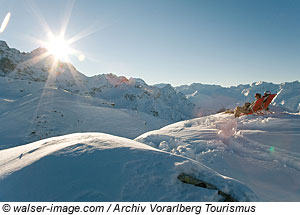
(41,100)
(114,127)
(131,93)
(46,95)
(210,99)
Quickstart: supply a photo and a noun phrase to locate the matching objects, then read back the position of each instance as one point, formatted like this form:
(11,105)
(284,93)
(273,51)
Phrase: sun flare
(58,47)
(57,43)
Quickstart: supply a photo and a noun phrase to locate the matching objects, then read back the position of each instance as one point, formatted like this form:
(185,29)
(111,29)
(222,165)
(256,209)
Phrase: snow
(102,167)
(132,93)
(251,158)
(161,100)
(37,112)
(261,151)
(210,99)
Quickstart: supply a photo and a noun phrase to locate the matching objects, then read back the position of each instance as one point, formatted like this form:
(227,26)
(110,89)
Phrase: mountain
(101,167)
(250,158)
(29,111)
(41,98)
(133,94)
(209,99)
(262,152)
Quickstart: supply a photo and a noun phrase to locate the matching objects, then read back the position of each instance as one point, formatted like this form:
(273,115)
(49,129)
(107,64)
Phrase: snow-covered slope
(134,94)
(261,151)
(101,167)
(29,111)
(39,100)
(161,100)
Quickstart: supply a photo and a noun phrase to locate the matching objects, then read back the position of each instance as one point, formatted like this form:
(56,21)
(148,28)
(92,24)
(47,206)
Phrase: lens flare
(5,22)
(81,57)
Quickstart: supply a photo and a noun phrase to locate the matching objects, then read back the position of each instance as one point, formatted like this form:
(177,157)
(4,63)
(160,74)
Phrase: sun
(58,47)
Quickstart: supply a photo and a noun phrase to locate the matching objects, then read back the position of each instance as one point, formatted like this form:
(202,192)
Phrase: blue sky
(226,42)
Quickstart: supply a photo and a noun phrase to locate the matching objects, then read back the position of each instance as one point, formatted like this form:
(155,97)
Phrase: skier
(246,108)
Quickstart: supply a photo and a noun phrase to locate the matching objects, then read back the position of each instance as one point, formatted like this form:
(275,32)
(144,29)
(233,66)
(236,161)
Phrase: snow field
(256,150)
(102,167)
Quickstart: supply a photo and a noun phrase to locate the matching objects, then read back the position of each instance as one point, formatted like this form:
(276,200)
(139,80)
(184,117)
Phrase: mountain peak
(3,45)
(39,51)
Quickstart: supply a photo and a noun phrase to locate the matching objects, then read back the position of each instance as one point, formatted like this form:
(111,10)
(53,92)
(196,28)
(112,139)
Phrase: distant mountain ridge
(133,94)
(38,101)
(209,99)
(161,100)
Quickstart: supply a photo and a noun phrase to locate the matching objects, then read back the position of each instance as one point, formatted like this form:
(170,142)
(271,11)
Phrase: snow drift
(101,167)
(261,151)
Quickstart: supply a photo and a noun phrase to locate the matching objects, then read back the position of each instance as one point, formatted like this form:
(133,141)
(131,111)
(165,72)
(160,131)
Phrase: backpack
(247,105)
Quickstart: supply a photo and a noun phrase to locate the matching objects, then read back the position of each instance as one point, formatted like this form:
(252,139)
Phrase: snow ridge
(89,166)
